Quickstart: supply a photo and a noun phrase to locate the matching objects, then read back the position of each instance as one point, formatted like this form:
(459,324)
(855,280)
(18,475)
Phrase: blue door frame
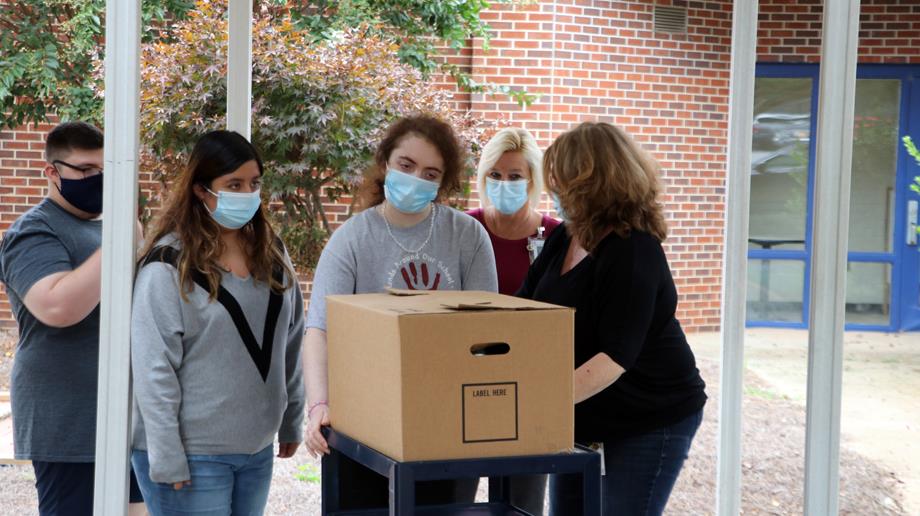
(904,260)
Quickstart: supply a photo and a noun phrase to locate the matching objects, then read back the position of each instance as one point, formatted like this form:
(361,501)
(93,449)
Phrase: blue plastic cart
(404,475)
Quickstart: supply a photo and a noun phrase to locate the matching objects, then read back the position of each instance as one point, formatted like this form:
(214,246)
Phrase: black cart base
(403,476)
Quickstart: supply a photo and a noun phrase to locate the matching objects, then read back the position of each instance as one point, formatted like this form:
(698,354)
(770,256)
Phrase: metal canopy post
(122,78)
(734,268)
(239,68)
(837,94)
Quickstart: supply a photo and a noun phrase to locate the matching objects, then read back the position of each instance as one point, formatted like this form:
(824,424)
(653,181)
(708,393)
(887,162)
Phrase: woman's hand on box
(316,443)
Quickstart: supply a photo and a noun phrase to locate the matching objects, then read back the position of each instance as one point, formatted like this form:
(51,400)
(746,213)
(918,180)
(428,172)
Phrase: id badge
(534,247)
(535,244)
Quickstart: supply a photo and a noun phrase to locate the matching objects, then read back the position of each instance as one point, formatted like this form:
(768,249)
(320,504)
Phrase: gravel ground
(773,461)
(773,465)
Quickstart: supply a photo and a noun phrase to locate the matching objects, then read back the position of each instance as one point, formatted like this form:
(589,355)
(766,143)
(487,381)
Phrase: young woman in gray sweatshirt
(217,330)
(403,238)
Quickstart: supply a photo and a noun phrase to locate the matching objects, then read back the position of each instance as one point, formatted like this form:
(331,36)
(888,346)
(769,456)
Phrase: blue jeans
(222,485)
(640,472)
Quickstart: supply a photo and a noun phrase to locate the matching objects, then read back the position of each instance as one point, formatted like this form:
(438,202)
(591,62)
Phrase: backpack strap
(261,356)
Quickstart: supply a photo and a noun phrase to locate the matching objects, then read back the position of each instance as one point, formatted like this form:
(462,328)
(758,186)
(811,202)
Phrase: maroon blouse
(511,256)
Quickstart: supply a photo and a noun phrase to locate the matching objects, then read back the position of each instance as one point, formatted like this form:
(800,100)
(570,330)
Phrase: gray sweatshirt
(363,256)
(197,389)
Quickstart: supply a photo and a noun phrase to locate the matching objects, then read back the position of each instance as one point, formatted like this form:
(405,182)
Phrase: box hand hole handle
(490,348)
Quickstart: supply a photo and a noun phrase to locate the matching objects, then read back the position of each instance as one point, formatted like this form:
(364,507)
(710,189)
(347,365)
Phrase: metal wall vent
(670,19)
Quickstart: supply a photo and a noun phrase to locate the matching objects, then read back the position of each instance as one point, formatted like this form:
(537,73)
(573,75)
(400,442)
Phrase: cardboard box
(430,375)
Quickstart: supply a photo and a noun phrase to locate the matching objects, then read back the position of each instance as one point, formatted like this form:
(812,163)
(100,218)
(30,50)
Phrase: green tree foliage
(48,47)
(915,153)
(319,108)
(327,77)
(47,54)
(421,29)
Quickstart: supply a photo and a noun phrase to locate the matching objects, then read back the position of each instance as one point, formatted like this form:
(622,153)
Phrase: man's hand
(287,450)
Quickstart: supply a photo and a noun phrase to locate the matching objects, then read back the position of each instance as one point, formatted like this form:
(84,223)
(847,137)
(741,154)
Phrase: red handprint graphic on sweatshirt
(417,277)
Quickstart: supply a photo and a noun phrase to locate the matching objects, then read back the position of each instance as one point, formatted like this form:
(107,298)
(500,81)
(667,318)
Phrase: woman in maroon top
(510,182)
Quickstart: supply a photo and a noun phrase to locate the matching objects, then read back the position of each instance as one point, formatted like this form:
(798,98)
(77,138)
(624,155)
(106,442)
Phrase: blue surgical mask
(507,196)
(407,193)
(558,205)
(235,209)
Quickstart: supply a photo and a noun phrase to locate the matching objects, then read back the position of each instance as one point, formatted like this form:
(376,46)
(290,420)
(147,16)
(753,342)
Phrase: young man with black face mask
(50,263)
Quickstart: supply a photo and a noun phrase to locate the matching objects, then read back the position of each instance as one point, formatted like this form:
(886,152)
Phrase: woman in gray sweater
(217,330)
(403,238)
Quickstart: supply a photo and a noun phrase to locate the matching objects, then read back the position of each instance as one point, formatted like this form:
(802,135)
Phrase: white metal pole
(239,68)
(837,94)
(122,77)
(734,267)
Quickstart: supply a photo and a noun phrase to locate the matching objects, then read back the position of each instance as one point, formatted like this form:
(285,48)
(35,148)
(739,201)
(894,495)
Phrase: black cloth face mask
(84,194)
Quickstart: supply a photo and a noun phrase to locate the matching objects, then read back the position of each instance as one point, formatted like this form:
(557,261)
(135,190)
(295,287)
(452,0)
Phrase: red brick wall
(603,61)
(790,31)
(463,60)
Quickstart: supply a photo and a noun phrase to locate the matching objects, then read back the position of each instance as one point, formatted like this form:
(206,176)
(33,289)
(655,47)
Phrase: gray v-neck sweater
(197,389)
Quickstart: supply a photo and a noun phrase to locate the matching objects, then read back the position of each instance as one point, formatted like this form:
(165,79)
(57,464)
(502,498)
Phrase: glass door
(907,203)
(778,240)
(883,262)
(871,258)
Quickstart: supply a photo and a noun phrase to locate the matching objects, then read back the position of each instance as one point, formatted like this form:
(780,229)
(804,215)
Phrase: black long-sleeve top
(625,300)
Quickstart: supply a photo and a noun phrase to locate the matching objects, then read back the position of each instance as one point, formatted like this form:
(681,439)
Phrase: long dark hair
(216,154)
(436,132)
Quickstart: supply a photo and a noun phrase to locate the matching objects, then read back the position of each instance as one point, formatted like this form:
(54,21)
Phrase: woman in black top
(637,389)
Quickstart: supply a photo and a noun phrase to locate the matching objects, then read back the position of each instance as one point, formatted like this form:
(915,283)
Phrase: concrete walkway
(880,413)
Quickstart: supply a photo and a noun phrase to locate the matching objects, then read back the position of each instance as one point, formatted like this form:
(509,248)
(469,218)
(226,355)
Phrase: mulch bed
(773,461)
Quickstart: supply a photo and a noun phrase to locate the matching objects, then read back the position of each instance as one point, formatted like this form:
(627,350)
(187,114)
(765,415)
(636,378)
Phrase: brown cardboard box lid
(421,302)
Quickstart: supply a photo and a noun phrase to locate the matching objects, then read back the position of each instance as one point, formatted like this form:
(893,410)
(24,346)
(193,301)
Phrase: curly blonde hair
(605,182)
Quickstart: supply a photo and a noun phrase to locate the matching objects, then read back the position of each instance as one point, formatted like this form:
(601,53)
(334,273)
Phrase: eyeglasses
(87,171)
